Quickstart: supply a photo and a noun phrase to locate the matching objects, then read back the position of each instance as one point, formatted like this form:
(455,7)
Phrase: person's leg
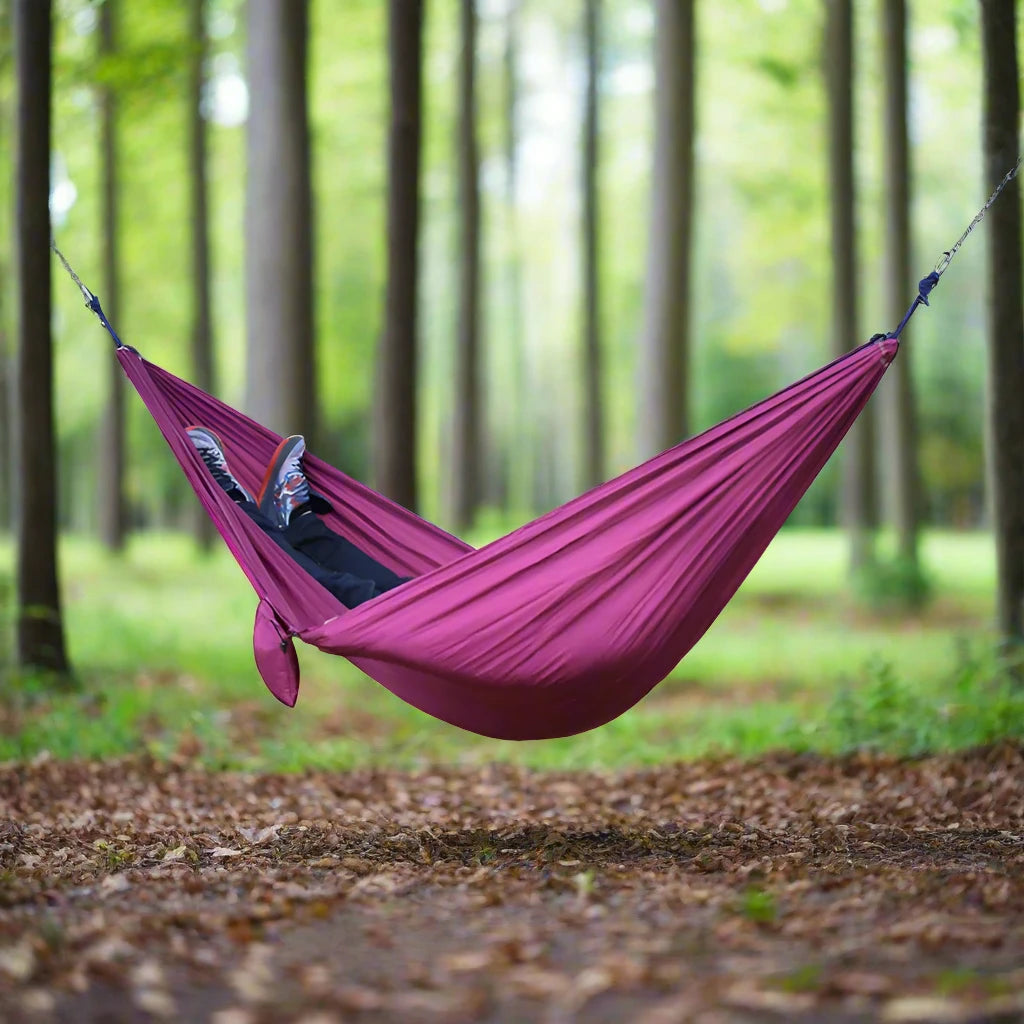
(286,500)
(349,588)
(307,533)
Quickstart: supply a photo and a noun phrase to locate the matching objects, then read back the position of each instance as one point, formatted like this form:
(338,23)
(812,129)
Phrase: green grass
(161,639)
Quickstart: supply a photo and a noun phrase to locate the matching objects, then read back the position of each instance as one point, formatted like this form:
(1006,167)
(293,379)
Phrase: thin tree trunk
(113,516)
(6,362)
(593,418)
(394,446)
(40,632)
(202,317)
(665,341)
(281,375)
(896,392)
(6,431)
(857,486)
(523,450)
(466,456)
(1005,313)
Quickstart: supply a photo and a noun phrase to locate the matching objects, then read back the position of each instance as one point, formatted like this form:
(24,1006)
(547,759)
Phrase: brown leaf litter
(786,888)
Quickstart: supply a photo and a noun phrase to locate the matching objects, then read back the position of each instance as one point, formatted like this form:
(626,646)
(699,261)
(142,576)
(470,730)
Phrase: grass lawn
(161,639)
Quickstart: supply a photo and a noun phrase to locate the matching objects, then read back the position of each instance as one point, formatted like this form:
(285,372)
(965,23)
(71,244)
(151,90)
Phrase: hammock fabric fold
(565,623)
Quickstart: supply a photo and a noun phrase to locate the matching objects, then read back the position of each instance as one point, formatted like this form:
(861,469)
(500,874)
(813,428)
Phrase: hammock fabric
(565,623)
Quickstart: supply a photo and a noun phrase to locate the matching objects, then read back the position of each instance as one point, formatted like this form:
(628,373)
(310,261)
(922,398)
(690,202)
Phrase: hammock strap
(926,284)
(91,301)
(924,287)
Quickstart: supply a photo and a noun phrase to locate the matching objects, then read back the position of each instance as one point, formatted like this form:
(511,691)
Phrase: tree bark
(1005,313)
(113,513)
(40,632)
(394,445)
(896,392)
(6,360)
(665,340)
(593,426)
(522,455)
(6,425)
(278,216)
(466,454)
(202,316)
(857,489)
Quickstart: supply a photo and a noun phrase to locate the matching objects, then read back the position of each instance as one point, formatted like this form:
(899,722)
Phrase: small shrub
(892,584)
(978,703)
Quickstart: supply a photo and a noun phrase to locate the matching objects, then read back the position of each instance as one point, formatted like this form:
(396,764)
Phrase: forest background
(761,263)
(540,151)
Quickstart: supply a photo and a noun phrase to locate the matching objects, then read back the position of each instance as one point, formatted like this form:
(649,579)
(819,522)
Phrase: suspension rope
(91,300)
(924,287)
(926,284)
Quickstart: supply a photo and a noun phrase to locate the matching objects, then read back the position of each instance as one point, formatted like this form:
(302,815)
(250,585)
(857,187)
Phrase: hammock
(565,623)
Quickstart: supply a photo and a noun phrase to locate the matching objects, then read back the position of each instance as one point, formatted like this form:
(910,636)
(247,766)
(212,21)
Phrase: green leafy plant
(759,905)
(978,702)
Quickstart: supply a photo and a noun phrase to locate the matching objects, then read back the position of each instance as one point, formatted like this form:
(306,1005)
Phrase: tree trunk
(593,432)
(896,393)
(113,516)
(858,470)
(202,317)
(40,632)
(278,218)
(6,424)
(1005,314)
(6,362)
(466,457)
(522,454)
(394,447)
(665,341)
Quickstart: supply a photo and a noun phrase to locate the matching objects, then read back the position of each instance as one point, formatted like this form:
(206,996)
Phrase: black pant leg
(309,534)
(350,589)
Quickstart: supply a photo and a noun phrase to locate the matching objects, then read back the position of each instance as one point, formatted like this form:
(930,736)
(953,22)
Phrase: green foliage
(758,905)
(892,585)
(760,296)
(979,702)
(805,978)
(162,638)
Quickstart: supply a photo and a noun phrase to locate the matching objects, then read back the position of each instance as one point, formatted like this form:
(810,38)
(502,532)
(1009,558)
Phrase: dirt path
(789,888)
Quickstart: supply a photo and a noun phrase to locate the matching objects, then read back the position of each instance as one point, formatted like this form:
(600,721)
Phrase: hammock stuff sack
(565,623)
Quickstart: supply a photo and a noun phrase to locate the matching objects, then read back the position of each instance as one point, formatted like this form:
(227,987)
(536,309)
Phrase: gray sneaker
(211,451)
(285,487)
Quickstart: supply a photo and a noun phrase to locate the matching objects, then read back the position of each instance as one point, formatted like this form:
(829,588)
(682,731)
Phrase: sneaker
(285,487)
(211,451)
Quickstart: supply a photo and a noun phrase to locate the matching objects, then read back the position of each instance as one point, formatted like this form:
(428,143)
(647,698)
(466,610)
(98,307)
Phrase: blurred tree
(1005,312)
(665,340)
(395,408)
(522,457)
(202,320)
(593,434)
(40,631)
(899,438)
(6,412)
(466,450)
(280,369)
(858,469)
(113,518)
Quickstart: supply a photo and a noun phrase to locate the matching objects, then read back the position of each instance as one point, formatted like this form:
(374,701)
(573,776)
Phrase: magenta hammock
(565,623)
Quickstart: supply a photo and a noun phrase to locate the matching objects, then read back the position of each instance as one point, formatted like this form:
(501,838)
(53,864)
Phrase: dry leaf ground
(787,888)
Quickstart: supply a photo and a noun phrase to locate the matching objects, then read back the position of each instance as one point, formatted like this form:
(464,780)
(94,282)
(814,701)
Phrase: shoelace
(209,456)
